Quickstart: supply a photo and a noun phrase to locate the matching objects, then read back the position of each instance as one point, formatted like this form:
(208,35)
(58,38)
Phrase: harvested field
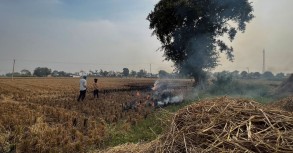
(43,115)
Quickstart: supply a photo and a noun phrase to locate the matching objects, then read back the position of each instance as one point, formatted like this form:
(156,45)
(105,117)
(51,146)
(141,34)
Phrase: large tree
(141,73)
(163,74)
(42,71)
(192,31)
(268,75)
(133,73)
(125,72)
(25,72)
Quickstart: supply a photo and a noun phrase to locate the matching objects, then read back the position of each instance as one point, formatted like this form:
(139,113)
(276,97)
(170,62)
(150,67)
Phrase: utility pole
(264,61)
(13,69)
(151,69)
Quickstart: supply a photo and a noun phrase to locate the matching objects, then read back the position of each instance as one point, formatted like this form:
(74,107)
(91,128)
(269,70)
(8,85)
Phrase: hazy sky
(74,35)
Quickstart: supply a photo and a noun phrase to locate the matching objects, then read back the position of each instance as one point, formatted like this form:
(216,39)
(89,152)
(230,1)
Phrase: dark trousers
(96,93)
(81,95)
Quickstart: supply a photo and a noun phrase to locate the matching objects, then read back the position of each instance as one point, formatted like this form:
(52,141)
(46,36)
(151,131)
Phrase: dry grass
(43,115)
(29,127)
(225,125)
(130,148)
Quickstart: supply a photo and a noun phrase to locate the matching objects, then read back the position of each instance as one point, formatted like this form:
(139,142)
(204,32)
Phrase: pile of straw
(284,104)
(223,125)
(286,87)
(228,125)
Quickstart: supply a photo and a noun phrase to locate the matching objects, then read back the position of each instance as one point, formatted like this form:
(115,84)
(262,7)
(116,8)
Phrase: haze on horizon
(73,35)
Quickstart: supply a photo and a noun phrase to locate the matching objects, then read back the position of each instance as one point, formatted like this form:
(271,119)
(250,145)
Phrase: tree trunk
(199,80)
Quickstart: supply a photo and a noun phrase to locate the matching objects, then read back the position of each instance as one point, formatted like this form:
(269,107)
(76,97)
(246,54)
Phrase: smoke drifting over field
(270,33)
(165,92)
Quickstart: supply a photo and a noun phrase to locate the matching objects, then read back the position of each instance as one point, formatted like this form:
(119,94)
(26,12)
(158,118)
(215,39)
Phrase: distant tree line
(252,75)
(45,72)
(39,72)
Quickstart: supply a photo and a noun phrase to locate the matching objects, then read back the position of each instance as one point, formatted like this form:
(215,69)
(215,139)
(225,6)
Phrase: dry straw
(228,125)
(223,125)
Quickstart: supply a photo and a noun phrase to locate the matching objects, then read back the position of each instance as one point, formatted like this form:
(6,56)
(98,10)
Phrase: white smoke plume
(164,94)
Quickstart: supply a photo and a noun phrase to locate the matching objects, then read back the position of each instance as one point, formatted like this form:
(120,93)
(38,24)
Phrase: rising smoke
(165,93)
(201,33)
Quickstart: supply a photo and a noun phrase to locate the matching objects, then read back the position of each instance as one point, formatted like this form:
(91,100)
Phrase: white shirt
(82,83)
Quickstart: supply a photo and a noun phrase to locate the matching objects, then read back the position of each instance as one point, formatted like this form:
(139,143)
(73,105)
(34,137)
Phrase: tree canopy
(42,71)
(268,75)
(125,72)
(25,72)
(191,32)
(141,73)
(163,74)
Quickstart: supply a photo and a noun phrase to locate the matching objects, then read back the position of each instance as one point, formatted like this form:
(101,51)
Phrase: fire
(164,94)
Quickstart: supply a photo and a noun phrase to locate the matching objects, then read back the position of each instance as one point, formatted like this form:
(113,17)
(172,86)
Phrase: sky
(75,35)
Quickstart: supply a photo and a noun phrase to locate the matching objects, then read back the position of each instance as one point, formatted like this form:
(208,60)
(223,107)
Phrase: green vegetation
(259,90)
(145,130)
(241,89)
(191,32)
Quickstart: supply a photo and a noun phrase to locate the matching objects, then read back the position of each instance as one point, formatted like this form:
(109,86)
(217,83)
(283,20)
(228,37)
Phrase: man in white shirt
(82,88)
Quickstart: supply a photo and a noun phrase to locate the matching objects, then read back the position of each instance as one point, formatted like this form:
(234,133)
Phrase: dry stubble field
(43,115)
